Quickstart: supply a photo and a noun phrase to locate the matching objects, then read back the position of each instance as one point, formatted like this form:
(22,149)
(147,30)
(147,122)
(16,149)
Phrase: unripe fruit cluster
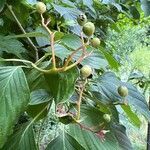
(88,29)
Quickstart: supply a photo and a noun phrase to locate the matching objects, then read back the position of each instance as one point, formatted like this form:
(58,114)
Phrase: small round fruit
(82,19)
(88,28)
(123,91)
(95,42)
(40,7)
(86,71)
(107,117)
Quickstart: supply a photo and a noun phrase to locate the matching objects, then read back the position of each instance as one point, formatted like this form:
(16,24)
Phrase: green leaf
(131,115)
(14,99)
(95,60)
(38,106)
(42,41)
(106,91)
(67,13)
(121,136)
(91,141)
(12,46)
(64,142)
(2,4)
(36,79)
(22,139)
(111,60)
(32,2)
(61,51)
(134,12)
(145,5)
(91,116)
(72,41)
(61,85)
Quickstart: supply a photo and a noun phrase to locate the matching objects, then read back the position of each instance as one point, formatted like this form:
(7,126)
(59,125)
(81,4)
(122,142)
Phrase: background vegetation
(43,106)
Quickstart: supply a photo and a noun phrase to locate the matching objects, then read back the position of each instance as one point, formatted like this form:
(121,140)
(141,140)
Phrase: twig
(81,58)
(29,62)
(80,99)
(71,56)
(51,40)
(22,29)
(41,59)
(53,51)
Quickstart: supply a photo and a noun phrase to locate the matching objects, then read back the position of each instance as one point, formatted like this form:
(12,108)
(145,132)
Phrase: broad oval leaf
(91,116)
(145,5)
(91,141)
(38,106)
(96,60)
(121,136)
(2,4)
(111,60)
(43,40)
(105,91)
(71,41)
(36,79)
(64,142)
(132,116)
(67,13)
(61,85)
(14,99)
(22,139)
(12,46)
(134,12)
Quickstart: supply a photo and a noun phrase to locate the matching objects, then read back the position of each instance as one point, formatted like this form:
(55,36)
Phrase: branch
(80,99)
(22,29)
(51,40)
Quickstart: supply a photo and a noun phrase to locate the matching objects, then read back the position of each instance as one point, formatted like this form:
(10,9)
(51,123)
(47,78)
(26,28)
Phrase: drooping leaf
(106,91)
(61,85)
(14,99)
(67,13)
(42,41)
(96,60)
(90,140)
(132,116)
(2,4)
(64,142)
(91,117)
(111,60)
(145,5)
(72,41)
(36,79)
(121,136)
(22,139)
(38,106)
(12,46)
(61,51)
(134,12)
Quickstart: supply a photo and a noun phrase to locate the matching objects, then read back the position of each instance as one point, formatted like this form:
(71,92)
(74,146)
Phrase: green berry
(40,7)
(95,42)
(107,117)
(86,71)
(123,91)
(82,19)
(88,28)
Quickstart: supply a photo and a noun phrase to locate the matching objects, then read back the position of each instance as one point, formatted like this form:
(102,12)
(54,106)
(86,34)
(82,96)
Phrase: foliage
(41,57)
